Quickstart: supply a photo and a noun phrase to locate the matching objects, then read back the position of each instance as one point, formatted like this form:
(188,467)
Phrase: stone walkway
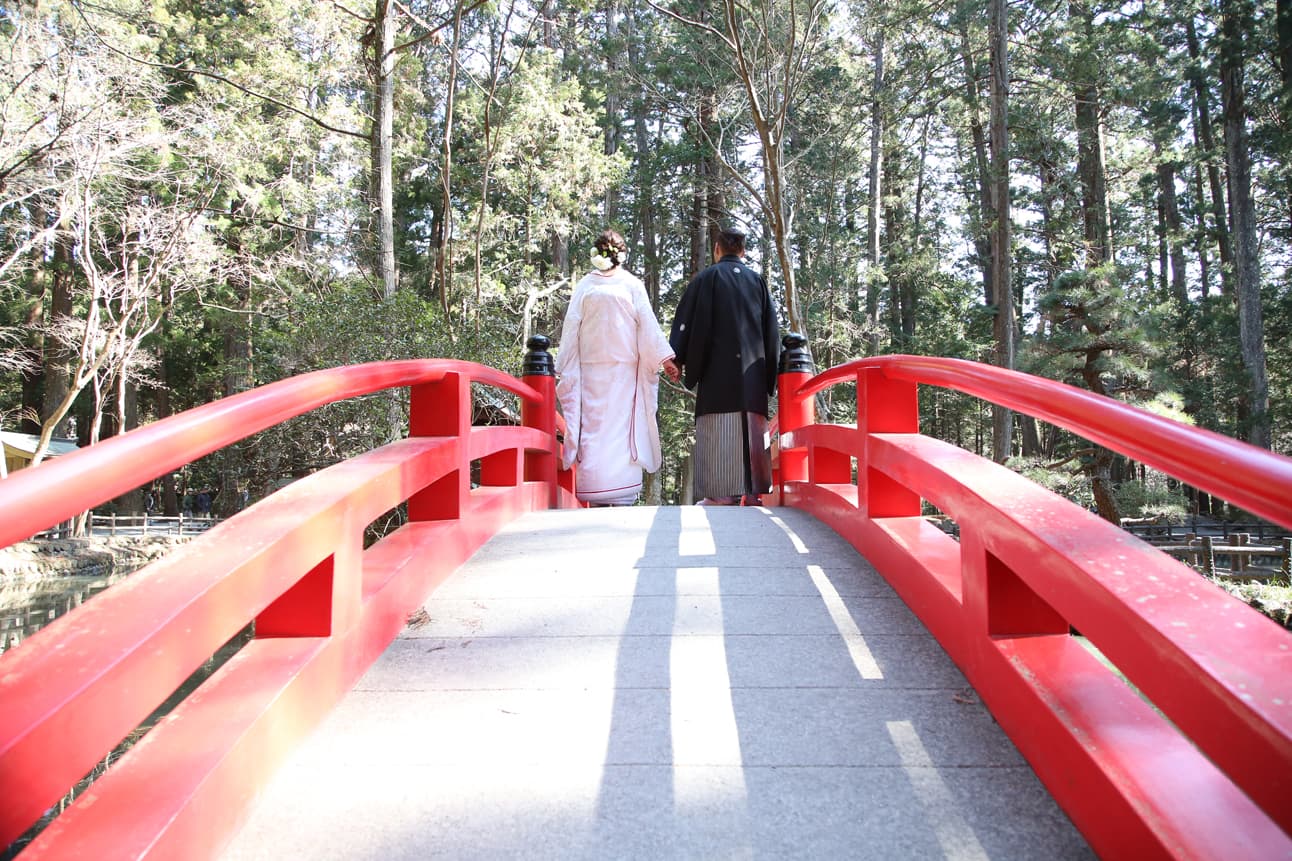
(660,683)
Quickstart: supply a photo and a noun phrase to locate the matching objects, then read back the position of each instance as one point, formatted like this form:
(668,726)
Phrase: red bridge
(1163,730)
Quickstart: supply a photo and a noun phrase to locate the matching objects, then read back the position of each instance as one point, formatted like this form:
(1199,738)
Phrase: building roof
(26,443)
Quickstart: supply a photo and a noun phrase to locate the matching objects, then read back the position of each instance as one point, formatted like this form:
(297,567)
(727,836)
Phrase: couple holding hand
(724,344)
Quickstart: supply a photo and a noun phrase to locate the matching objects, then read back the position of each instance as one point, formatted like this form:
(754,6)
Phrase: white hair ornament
(608,259)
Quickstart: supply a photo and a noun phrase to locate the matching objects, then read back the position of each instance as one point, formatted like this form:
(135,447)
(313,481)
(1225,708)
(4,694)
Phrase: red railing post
(327,600)
(884,406)
(997,601)
(442,408)
(793,411)
(540,373)
(501,469)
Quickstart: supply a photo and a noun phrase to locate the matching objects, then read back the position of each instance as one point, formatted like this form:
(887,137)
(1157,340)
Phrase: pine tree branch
(432,31)
(352,14)
(691,22)
(212,75)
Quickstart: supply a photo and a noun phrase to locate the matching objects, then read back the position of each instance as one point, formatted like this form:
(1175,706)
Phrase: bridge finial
(795,358)
(538,361)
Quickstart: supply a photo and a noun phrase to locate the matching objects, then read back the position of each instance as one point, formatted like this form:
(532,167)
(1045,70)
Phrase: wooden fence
(1239,554)
(1242,551)
(135,524)
(1154,530)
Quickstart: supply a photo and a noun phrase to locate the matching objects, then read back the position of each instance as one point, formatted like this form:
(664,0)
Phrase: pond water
(26,609)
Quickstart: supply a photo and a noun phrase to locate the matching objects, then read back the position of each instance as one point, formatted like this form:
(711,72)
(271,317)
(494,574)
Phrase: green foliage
(1155,497)
(1272,599)
(1095,334)
(1061,479)
(346,326)
(549,166)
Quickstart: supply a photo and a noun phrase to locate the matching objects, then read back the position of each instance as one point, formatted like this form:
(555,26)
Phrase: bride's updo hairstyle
(609,250)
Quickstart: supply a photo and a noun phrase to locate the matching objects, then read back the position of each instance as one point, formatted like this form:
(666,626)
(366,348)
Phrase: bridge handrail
(1251,478)
(1197,768)
(34,499)
(324,604)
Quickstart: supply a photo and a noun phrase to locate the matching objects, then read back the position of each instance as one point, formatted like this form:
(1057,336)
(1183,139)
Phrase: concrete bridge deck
(660,683)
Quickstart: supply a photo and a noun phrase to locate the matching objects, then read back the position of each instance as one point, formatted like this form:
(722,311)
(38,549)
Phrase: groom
(726,339)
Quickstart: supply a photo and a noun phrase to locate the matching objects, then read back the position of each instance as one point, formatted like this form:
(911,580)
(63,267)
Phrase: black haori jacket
(727,339)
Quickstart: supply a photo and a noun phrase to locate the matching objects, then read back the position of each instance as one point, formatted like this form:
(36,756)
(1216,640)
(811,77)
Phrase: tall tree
(444,239)
(384,26)
(1236,23)
(980,216)
(1090,136)
(874,197)
(1002,295)
(1205,140)
(770,50)
(384,51)
(645,161)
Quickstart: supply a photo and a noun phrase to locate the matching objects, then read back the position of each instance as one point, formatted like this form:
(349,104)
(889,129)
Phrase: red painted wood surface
(1200,765)
(324,606)
(1201,772)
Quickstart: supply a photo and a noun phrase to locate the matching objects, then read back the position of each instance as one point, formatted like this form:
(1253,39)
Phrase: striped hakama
(732,455)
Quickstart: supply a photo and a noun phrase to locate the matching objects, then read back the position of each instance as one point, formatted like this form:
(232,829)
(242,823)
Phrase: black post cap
(795,358)
(538,361)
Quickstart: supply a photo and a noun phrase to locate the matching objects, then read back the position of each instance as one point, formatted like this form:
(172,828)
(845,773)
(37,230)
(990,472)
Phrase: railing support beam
(794,410)
(441,408)
(539,372)
(884,406)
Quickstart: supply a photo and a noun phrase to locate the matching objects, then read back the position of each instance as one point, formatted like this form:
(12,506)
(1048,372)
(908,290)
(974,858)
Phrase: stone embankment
(43,579)
(27,562)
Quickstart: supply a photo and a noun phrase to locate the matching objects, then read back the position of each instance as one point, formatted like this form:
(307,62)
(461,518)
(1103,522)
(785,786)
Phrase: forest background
(199,197)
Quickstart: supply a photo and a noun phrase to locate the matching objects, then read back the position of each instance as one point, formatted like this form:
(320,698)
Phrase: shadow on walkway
(660,683)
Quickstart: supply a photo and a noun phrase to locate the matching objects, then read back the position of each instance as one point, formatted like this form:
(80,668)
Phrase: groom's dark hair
(731,241)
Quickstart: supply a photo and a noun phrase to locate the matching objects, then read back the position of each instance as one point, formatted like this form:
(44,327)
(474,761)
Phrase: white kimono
(608,368)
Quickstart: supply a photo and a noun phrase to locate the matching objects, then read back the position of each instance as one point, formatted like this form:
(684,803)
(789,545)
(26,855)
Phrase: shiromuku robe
(727,339)
(608,365)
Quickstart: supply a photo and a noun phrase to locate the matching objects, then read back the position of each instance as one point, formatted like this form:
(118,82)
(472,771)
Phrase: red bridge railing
(1200,765)
(1197,767)
(323,606)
